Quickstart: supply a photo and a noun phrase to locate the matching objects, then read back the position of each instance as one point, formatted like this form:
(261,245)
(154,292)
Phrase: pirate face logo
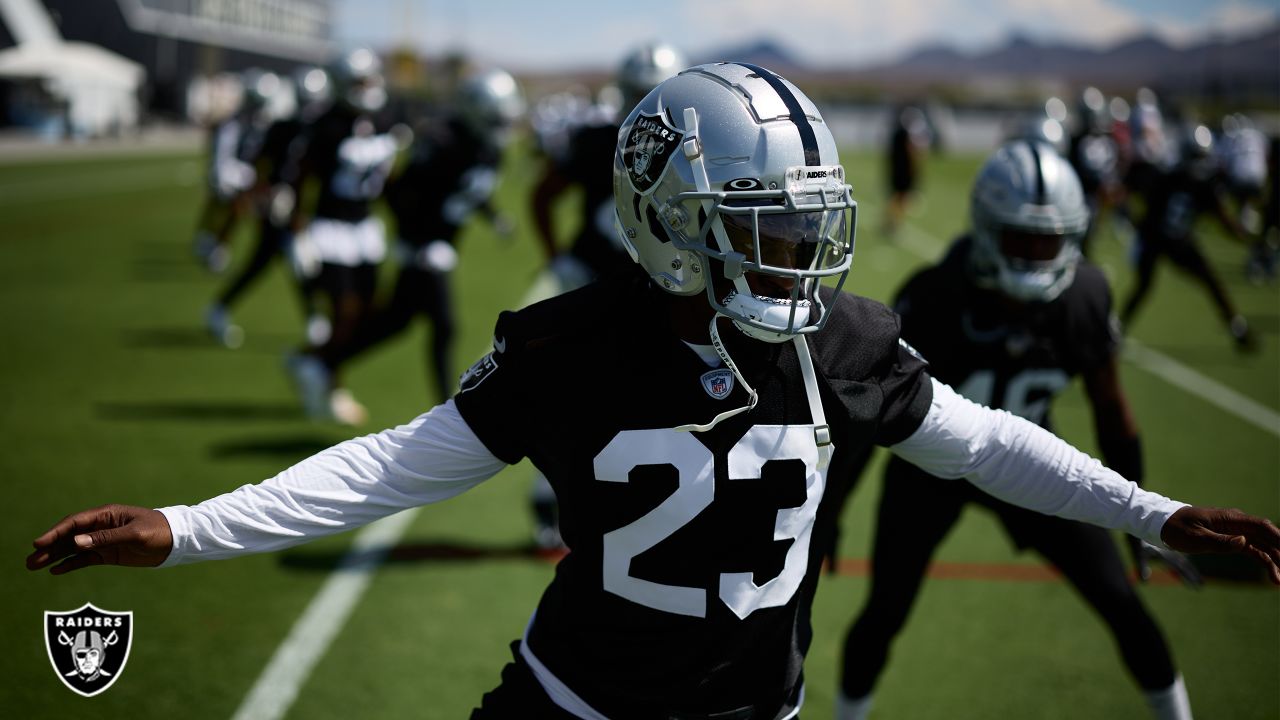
(649,145)
(88,647)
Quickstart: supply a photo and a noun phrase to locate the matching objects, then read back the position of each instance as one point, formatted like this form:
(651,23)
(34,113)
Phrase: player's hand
(1216,530)
(107,535)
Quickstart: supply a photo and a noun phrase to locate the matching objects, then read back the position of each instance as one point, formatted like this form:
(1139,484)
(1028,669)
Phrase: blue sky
(551,34)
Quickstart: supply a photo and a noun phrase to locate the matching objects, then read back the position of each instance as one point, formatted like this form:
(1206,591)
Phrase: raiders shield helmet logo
(88,647)
(649,146)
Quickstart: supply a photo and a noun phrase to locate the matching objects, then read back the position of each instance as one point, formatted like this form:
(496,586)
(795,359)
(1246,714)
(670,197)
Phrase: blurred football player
(690,416)
(909,138)
(233,144)
(1151,150)
(275,197)
(1175,199)
(1009,317)
(1243,154)
(1266,250)
(350,152)
(598,250)
(1095,156)
(451,175)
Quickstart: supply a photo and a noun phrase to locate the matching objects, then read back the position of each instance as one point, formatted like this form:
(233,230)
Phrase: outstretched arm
(1021,463)
(434,457)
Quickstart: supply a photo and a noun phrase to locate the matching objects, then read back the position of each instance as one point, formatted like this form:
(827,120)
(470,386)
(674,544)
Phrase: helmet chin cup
(767,319)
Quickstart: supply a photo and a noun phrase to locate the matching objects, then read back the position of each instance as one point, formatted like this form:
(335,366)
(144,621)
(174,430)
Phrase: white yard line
(278,684)
(926,246)
(280,681)
(1211,391)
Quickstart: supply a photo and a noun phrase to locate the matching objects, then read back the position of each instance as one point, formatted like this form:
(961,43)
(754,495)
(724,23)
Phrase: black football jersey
(280,150)
(691,572)
(1012,357)
(352,156)
(1096,159)
(442,159)
(1175,200)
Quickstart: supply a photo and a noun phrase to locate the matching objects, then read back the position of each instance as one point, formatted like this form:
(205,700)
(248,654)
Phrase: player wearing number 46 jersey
(1009,317)
(690,418)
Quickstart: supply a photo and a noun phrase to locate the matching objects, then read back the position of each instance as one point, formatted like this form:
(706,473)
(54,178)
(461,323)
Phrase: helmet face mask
(739,209)
(1029,215)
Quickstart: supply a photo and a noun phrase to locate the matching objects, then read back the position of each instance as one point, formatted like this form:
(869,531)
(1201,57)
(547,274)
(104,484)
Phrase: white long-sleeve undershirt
(1021,463)
(353,483)
(437,456)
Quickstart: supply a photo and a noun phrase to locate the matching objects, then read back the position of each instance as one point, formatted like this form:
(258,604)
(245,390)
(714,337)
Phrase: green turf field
(112,392)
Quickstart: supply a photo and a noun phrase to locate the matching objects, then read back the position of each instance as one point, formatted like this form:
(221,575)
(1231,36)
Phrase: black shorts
(338,280)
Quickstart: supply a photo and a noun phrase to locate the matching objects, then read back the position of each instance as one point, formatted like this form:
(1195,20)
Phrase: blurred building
(177,45)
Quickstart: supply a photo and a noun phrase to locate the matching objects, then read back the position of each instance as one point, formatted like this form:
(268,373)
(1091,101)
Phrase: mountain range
(1248,65)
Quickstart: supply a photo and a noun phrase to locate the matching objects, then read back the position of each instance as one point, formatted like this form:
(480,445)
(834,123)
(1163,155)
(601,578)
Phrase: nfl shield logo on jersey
(718,383)
(648,148)
(88,647)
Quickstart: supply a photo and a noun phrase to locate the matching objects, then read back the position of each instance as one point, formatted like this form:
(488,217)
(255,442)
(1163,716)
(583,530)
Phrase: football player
(908,140)
(451,175)
(1095,156)
(350,152)
(1175,199)
(277,167)
(233,144)
(689,417)
(598,250)
(1266,250)
(1009,317)
(1243,152)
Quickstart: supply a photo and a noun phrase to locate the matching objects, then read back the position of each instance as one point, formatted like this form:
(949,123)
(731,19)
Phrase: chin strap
(752,398)
(821,431)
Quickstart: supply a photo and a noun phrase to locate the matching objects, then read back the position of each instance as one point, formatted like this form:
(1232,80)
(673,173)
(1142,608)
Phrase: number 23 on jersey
(695,466)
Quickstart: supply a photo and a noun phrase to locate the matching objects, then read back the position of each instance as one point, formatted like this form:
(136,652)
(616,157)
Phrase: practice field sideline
(113,393)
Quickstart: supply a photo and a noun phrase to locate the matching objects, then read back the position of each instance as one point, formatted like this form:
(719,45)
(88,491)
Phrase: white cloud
(1232,18)
(828,31)
(560,33)
(1096,22)
(836,32)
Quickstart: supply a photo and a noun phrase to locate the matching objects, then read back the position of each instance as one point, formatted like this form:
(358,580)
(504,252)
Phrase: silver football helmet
(260,89)
(726,181)
(311,85)
(1029,214)
(358,81)
(643,68)
(1092,108)
(491,101)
